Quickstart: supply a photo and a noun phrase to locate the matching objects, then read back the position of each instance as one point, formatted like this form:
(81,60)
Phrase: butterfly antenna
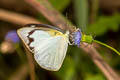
(113,49)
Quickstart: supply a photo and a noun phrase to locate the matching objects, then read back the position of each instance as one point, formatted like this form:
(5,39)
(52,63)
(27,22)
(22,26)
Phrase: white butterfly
(49,44)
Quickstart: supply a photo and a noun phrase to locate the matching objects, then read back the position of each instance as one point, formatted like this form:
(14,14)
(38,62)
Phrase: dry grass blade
(16,18)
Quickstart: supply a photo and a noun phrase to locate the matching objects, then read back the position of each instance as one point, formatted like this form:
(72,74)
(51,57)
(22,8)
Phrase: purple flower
(77,37)
(12,36)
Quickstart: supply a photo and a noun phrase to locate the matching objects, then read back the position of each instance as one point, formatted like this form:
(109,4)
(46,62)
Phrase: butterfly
(48,43)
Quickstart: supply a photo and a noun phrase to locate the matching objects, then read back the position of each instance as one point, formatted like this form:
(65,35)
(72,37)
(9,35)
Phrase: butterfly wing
(32,36)
(49,51)
(51,54)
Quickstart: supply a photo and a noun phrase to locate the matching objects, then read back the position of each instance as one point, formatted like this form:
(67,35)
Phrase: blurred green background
(100,18)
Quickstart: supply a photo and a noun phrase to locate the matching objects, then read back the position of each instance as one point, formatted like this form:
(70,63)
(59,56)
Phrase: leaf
(103,24)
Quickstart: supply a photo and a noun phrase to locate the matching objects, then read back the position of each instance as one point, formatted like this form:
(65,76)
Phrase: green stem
(113,49)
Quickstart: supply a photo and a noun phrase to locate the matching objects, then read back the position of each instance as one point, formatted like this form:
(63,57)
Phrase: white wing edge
(24,43)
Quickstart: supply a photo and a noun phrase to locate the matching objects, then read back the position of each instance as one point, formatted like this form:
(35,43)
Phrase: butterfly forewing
(33,35)
(48,45)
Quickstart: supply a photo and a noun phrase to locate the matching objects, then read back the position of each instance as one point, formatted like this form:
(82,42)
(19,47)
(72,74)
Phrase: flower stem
(113,49)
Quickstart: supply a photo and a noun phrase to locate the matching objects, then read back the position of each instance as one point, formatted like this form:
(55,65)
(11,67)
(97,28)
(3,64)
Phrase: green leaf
(103,24)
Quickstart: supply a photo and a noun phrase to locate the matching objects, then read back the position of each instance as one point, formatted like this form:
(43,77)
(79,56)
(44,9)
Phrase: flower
(12,36)
(7,46)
